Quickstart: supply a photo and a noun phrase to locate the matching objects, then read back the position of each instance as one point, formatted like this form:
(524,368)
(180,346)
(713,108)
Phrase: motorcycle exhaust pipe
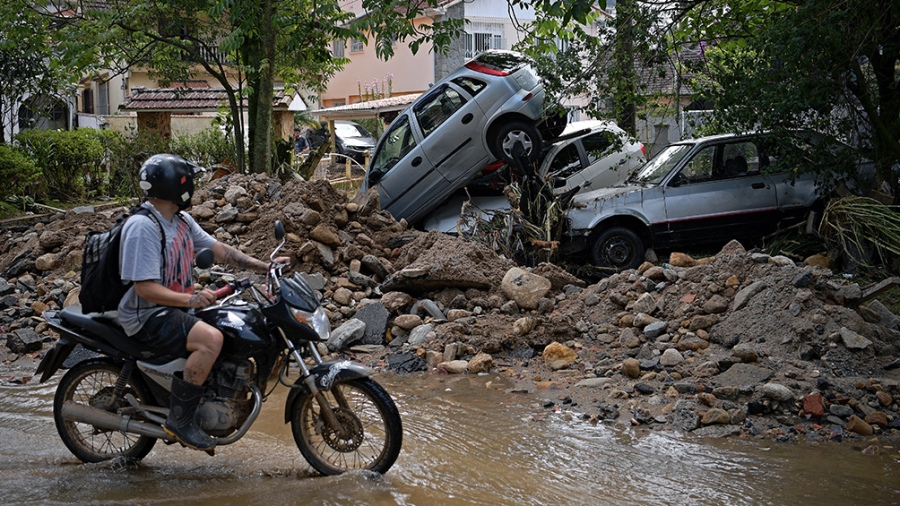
(109,421)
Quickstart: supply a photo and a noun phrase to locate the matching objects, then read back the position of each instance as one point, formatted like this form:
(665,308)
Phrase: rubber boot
(181,424)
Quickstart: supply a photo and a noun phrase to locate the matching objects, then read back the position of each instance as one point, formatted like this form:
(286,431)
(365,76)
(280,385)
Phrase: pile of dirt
(737,344)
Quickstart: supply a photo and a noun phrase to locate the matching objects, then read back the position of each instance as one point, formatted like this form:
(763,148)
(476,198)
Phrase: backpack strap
(162,233)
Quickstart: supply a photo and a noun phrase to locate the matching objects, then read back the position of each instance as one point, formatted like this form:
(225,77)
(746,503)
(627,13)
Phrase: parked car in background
(352,140)
(696,191)
(464,123)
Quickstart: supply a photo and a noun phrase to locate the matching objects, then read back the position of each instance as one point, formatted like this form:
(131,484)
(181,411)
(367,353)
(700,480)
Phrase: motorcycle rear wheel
(92,383)
(369,435)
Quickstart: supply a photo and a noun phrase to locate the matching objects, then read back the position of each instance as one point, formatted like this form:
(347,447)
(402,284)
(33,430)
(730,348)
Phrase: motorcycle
(114,404)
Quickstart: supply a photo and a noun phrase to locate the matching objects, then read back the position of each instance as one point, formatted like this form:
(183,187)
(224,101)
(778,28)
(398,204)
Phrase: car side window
(740,159)
(597,144)
(398,142)
(566,162)
(472,86)
(700,166)
(438,109)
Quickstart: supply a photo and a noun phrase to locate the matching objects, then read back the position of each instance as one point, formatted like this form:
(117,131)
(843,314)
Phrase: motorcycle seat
(106,326)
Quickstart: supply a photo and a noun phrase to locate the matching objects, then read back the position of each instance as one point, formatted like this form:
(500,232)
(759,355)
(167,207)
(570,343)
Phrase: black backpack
(101,282)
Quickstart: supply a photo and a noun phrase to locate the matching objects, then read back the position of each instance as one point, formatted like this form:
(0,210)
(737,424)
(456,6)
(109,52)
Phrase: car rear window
(498,62)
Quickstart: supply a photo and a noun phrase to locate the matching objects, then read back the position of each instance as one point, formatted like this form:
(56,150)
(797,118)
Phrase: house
(489,25)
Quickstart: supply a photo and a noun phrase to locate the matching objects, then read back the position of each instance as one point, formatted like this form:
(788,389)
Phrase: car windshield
(663,163)
(348,130)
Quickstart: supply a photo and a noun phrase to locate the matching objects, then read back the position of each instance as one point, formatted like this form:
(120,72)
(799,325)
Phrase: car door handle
(467,118)
(416,161)
(758,186)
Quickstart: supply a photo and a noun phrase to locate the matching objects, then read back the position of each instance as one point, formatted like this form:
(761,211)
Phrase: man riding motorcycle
(153,309)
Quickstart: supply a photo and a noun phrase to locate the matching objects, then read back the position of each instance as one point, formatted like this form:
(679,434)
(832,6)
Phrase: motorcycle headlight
(318,320)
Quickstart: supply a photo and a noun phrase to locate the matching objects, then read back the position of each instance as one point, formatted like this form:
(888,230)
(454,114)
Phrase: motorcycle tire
(93,382)
(369,436)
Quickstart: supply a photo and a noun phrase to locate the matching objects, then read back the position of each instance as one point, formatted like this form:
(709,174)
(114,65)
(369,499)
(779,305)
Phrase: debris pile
(741,343)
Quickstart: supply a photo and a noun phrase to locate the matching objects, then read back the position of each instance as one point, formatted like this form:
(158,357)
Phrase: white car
(591,154)
(588,155)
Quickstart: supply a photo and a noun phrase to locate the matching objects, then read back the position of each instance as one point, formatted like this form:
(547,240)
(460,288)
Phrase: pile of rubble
(739,343)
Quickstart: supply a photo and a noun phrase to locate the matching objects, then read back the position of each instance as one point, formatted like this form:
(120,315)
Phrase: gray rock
(743,297)
(742,375)
(594,382)
(350,332)
(5,287)
(524,287)
(24,340)
(841,410)
(645,304)
(888,319)
(854,341)
(429,308)
(686,420)
(776,392)
(419,335)
(315,281)
(655,329)
(670,358)
(375,316)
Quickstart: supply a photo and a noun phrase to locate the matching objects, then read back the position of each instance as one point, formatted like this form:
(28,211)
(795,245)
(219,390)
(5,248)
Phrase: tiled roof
(188,99)
(395,103)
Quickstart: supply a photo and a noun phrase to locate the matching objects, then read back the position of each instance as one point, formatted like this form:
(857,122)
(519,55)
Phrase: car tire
(517,131)
(617,249)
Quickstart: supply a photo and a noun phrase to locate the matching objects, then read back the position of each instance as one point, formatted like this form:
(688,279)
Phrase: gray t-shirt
(140,260)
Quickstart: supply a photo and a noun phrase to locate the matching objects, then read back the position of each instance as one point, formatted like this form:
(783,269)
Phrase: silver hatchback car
(456,129)
(696,191)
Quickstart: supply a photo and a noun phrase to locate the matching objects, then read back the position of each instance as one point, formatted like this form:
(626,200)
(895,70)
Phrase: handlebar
(230,288)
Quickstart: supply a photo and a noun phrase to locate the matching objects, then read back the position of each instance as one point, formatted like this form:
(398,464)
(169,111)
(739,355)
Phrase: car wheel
(517,132)
(617,249)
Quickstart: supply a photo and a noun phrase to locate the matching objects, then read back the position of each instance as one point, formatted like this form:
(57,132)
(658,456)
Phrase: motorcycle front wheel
(368,434)
(93,383)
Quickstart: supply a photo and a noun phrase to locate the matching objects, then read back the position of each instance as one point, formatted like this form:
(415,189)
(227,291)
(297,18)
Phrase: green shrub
(18,172)
(209,148)
(72,162)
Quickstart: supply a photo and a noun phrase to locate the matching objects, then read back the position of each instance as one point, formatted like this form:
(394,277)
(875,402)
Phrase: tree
(825,65)
(28,64)
(250,41)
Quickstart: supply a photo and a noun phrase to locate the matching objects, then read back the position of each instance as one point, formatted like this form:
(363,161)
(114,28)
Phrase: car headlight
(318,320)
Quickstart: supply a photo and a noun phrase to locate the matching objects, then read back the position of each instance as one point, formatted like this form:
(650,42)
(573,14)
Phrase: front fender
(326,375)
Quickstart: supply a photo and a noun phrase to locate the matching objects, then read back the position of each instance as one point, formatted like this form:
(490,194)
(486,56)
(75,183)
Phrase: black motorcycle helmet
(169,177)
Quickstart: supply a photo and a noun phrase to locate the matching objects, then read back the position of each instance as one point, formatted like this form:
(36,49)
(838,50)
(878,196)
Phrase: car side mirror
(279,230)
(375,177)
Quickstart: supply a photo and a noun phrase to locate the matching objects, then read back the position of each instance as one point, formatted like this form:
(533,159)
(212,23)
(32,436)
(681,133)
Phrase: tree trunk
(626,89)
(262,85)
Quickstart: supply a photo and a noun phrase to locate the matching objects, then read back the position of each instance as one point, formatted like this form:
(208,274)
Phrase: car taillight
(492,167)
(644,150)
(477,67)
(527,97)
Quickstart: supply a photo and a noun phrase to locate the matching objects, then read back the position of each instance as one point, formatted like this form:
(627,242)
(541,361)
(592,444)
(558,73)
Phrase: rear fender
(55,358)
(326,375)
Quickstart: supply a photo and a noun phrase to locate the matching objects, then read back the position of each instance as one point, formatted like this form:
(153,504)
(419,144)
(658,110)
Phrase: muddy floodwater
(466,441)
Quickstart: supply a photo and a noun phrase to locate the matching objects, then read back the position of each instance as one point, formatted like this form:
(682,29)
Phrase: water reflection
(466,441)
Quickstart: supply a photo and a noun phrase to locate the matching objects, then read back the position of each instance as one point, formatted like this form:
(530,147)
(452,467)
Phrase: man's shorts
(167,329)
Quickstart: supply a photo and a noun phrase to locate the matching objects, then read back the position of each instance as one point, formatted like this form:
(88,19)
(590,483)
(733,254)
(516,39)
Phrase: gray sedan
(697,191)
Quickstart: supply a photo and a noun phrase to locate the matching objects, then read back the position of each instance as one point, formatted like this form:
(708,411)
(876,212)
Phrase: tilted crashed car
(462,124)
(696,191)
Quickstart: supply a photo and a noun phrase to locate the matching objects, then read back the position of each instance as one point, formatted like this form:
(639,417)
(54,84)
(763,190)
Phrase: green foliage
(17,171)
(73,163)
(209,148)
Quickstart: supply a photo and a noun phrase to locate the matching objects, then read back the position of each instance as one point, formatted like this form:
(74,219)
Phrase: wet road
(466,441)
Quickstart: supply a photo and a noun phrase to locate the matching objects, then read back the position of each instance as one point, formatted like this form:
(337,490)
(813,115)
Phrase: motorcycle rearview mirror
(205,259)
(279,230)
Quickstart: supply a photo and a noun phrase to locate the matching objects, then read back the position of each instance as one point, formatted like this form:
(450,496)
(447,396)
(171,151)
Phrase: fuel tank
(244,329)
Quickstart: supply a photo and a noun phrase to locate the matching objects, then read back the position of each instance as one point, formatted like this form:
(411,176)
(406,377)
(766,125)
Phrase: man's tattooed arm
(239,259)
